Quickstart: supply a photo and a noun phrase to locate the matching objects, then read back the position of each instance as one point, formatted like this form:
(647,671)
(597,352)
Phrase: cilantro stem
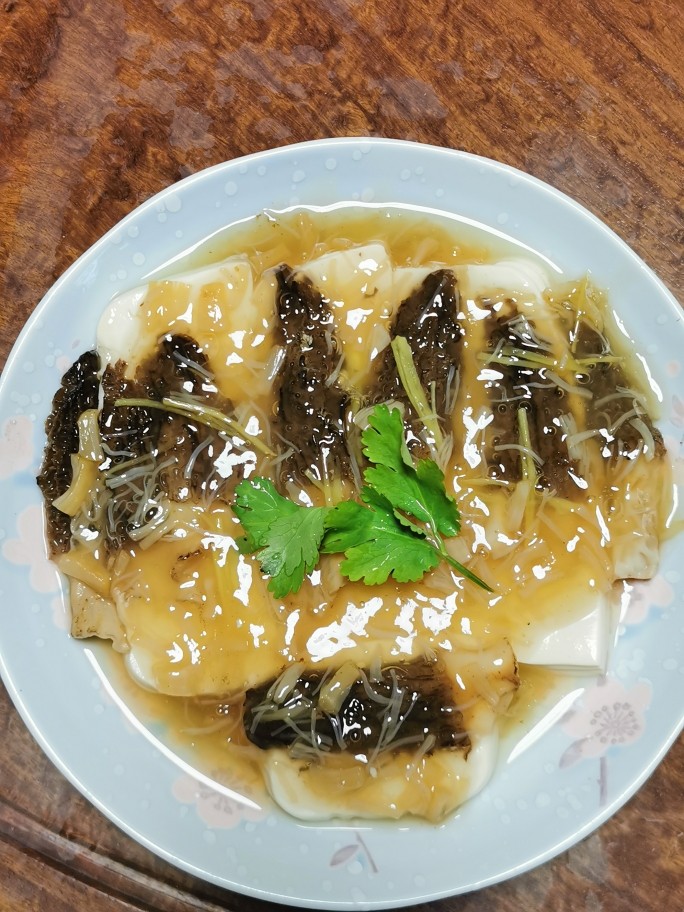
(414,389)
(205,414)
(438,544)
(468,574)
(520,357)
(529,471)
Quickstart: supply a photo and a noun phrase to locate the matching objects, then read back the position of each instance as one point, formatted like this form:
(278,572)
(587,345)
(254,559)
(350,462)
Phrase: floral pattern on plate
(606,716)
(220,804)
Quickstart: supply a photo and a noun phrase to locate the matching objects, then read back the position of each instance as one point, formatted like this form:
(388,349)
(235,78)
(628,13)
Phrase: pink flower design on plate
(223,805)
(63,363)
(608,716)
(653,593)
(355,856)
(29,549)
(16,445)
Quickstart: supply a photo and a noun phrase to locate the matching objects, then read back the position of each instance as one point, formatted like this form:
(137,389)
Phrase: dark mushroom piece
(77,393)
(525,385)
(178,453)
(612,398)
(401,707)
(428,320)
(311,404)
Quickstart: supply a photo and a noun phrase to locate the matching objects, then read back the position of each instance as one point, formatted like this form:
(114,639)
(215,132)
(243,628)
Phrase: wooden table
(104,102)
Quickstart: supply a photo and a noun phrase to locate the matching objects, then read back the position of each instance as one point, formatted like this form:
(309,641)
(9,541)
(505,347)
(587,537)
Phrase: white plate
(567,783)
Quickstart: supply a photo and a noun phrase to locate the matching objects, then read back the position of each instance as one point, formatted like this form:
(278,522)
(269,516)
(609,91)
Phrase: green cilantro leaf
(383,440)
(414,491)
(396,531)
(257,505)
(293,549)
(376,546)
(285,535)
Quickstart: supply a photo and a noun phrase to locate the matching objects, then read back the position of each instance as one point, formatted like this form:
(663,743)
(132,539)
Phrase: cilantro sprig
(286,536)
(396,530)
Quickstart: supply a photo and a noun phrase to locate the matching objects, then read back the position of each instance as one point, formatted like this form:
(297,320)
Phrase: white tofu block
(364,290)
(582,645)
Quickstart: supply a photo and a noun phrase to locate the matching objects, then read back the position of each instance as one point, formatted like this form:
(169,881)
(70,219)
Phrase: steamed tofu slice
(520,278)
(582,646)
(93,615)
(643,500)
(228,314)
(408,782)
(642,488)
(197,617)
(567,623)
(363,289)
(572,614)
(430,787)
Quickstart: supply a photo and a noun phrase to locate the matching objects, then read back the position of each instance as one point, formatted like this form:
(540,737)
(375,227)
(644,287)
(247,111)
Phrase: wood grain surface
(105,102)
